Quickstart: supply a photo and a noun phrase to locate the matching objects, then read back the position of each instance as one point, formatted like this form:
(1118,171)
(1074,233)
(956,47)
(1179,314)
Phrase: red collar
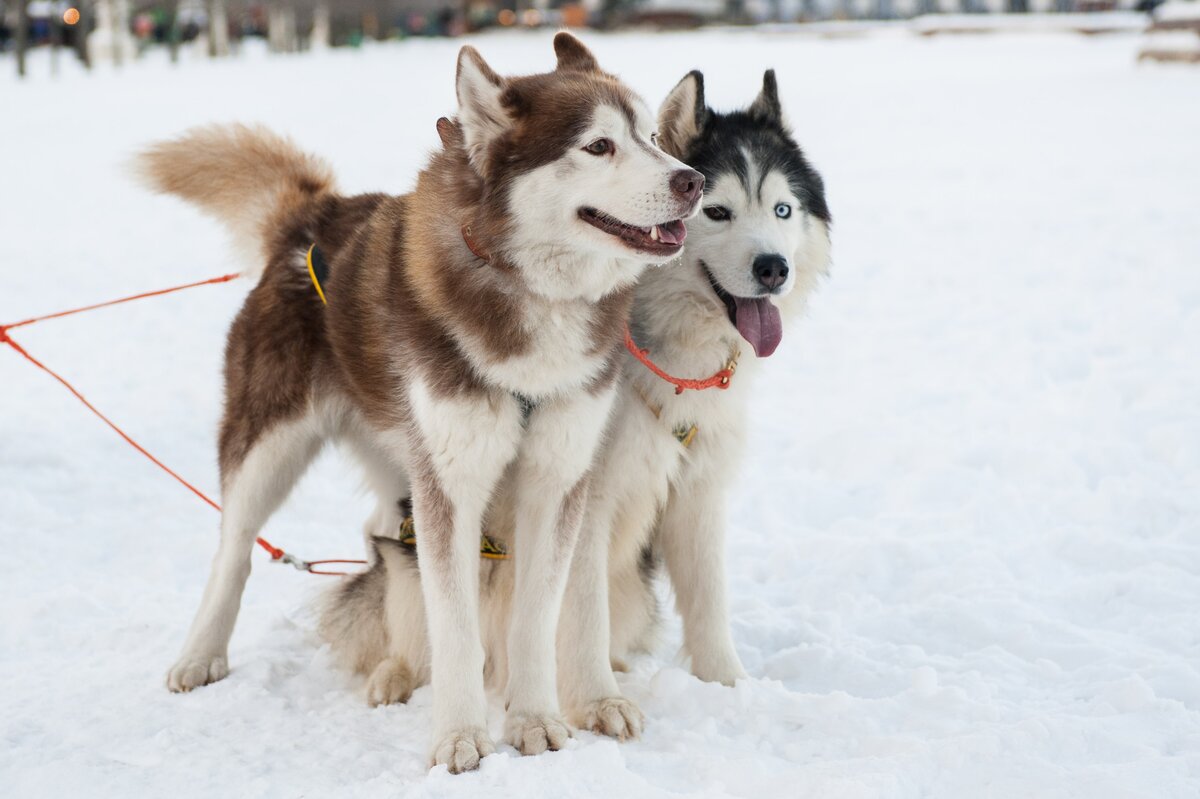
(719,379)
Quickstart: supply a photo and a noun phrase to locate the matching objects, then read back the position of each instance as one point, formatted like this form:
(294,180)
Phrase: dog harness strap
(318,270)
(489,547)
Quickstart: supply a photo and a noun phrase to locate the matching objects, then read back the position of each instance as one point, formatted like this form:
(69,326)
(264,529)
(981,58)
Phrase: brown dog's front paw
(193,671)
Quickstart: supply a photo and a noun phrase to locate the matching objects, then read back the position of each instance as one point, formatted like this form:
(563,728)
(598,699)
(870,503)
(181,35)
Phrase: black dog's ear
(766,106)
(573,55)
(682,115)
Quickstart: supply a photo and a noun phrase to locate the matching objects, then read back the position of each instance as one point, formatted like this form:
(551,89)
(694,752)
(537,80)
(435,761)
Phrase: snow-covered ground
(965,547)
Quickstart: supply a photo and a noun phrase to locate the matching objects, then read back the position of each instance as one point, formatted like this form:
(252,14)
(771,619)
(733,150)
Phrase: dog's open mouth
(756,318)
(665,238)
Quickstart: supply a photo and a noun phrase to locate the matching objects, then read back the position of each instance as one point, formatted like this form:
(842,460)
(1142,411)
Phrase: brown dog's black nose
(771,271)
(687,183)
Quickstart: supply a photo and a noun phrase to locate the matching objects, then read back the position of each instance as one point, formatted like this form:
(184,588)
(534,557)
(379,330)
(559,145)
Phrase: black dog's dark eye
(783,210)
(600,147)
(717,213)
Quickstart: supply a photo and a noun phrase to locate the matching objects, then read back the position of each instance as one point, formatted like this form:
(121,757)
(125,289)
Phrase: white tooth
(654,233)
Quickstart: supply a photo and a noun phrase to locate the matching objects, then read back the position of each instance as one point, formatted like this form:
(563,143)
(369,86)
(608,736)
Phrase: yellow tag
(685,434)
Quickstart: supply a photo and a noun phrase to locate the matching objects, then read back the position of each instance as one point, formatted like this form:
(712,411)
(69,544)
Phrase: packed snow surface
(964,550)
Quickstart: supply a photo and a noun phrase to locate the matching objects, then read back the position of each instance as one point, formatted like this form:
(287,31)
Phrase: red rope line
(277,554)
(719,379)
(159,293)
(312,563)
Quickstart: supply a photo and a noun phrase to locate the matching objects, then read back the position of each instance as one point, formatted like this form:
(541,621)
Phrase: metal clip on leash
(292,560)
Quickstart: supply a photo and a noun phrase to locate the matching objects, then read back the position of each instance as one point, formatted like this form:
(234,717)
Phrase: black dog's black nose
(771,270)
(687,183)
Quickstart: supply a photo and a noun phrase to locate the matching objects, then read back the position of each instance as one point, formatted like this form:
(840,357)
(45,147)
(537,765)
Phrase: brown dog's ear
(766,106)
(682,115)
(481,115)
(449,133)
(573,56)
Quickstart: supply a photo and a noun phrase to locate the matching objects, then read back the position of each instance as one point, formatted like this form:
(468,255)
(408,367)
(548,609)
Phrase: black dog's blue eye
(783,210)
(717,213)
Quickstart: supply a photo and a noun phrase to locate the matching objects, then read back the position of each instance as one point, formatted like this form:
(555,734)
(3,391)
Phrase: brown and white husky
(473,326)
(662,474)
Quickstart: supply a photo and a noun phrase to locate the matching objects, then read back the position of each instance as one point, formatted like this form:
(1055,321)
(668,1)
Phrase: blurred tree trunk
(320,38)
(82,28)
(22,36)
(120,16)
(281,28)
(171,22)
(218,29)
(55,23)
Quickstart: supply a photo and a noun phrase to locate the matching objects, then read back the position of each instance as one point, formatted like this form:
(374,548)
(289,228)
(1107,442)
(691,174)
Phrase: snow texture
(964,550)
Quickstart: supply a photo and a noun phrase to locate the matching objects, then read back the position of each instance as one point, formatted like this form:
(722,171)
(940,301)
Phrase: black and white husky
(660,481)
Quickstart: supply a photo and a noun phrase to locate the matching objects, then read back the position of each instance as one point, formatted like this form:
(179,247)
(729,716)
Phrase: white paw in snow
(390,683)
(193,671)
(462,750)
(614,716)
(534,734)
(725,669)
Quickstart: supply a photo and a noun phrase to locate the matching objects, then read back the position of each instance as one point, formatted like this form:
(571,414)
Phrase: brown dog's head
(572,186)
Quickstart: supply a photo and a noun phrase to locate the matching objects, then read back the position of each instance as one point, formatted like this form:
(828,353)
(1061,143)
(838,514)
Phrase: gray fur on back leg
(378,615)
(634,608)
(352,619)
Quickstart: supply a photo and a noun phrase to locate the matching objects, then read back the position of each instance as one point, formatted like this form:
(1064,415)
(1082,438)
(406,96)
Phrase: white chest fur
(557,358)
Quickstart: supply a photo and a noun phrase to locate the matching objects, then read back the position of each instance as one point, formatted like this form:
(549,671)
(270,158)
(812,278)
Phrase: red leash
(160,292)
(277,554)
(719,379)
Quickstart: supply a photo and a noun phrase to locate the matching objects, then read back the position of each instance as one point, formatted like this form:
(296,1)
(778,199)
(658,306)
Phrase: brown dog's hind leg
(253,489)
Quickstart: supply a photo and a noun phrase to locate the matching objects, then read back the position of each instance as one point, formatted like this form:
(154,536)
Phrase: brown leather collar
(473,245)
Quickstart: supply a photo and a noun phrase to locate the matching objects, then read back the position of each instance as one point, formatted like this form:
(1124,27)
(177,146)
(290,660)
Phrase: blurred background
(118,31)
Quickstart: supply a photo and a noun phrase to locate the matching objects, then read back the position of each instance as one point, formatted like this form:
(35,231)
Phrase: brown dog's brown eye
(600,147)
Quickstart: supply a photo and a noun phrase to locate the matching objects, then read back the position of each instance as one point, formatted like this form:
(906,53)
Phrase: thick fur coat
(759,250)
(473,329)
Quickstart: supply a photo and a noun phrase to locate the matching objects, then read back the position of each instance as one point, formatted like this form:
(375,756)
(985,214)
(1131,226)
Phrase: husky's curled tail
(249,178)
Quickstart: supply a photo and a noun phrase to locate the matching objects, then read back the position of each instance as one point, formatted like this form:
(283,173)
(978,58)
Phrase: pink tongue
(672,232)
(759,323)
